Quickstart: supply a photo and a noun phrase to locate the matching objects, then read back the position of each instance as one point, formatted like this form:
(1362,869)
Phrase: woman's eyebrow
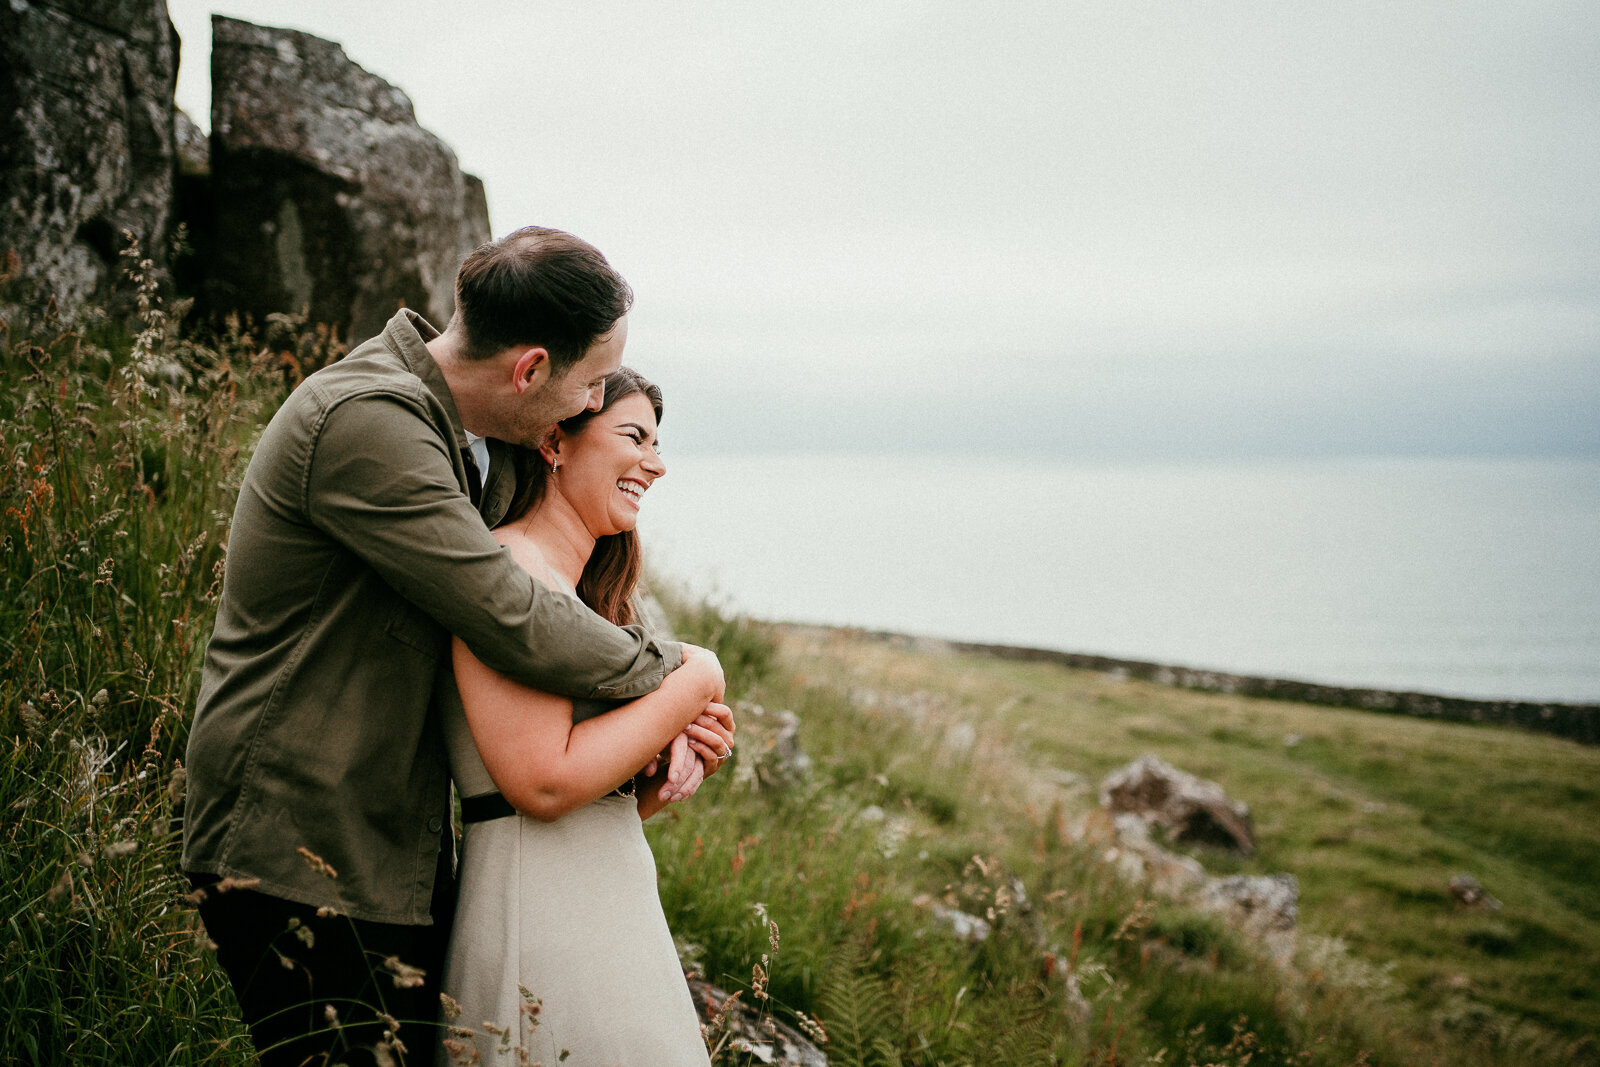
(643,432)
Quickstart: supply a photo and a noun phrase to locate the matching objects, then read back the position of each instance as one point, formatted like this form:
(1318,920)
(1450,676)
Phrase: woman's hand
(703,670)
(711,736)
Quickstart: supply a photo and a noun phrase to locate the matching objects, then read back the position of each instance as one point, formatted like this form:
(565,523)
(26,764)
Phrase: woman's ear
(550,451)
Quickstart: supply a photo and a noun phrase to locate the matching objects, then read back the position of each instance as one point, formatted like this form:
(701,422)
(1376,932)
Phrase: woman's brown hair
(614,566)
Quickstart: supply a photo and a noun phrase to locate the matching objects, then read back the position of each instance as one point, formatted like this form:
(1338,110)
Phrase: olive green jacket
(355,553)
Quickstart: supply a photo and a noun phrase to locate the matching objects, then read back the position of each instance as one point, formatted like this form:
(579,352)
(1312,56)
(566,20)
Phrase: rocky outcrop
(746,1029)
(86,145)
(1191,810)
(328,196)
(1264,907)
(767,754)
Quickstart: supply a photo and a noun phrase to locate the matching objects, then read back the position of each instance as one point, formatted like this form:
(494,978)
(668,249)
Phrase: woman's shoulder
(531,557)
(524,551)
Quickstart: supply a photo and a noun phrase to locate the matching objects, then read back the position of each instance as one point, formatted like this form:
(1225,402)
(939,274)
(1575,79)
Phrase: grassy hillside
(985,766)
(936,782)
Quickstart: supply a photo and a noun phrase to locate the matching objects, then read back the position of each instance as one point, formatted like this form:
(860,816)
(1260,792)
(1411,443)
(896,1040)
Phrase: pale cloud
(1258,227)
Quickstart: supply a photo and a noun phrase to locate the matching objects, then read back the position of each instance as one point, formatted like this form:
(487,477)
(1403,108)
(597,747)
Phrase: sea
(1458,576)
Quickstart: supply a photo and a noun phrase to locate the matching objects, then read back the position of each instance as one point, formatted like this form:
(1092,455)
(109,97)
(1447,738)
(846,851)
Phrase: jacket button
(435,824)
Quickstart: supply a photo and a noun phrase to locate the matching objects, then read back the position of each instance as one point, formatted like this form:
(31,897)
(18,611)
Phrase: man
(317,819)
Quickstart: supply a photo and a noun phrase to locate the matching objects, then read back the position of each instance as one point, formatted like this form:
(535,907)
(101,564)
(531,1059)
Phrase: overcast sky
(1109,229)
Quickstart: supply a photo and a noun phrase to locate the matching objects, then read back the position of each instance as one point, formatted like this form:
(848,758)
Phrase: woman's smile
(632,489)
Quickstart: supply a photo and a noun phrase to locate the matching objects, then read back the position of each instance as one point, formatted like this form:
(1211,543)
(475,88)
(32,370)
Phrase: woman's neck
(560,536)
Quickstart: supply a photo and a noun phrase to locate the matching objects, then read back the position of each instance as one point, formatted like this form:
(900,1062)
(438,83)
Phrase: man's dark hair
(538,287)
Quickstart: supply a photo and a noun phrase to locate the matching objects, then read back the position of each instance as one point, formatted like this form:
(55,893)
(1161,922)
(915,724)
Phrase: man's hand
(685,772)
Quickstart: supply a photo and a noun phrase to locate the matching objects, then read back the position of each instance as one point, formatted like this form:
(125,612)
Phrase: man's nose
(597,398)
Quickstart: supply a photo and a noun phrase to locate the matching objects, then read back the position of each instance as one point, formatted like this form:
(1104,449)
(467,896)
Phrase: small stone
(1470,894)
(1191,809)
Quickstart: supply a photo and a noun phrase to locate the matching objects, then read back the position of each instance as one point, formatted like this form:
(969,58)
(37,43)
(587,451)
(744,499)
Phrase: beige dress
(569,911)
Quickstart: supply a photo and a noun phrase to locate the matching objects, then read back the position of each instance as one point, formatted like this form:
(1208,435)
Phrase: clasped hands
(706,743)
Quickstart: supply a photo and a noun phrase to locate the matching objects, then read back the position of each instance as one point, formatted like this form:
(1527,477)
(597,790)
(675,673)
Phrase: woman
(558,886)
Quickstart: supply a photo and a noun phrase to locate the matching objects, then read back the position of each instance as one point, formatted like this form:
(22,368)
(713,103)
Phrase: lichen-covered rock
(86,139)
(193,146)
(329,196)
(749,1030)
(1190,809)
(767,754)
(1268,903)
(1264,906)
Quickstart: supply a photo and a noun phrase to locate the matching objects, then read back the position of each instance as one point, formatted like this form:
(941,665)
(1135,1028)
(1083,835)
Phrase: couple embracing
(429,578)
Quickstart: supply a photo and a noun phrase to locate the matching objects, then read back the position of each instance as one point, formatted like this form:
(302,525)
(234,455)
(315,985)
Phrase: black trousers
(314,991)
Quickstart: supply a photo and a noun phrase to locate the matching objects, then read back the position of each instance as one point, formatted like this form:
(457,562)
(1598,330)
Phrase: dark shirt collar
(408,334)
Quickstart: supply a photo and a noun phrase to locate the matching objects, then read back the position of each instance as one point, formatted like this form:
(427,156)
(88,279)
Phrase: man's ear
(531,369)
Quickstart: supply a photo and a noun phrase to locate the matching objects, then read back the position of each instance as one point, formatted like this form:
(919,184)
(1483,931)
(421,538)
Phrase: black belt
(487,806)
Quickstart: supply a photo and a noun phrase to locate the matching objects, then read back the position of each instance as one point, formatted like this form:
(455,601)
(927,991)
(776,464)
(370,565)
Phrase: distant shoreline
(1574,722)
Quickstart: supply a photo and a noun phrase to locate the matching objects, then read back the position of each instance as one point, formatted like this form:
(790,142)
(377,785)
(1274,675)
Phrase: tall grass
(118,453)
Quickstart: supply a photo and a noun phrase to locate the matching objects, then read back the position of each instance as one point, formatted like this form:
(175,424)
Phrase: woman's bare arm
(544,764)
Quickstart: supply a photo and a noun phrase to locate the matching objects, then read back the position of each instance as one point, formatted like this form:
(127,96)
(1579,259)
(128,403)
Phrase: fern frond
(855,1009)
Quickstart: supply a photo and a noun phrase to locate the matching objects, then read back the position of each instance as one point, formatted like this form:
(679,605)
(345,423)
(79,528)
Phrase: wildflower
(758,978)
(531,1006)
(62,888)
(303,932)
(32,721)
(502,1032)
(405,976)
(462,1053)
(452,1010)
(316,862)
(812,1028)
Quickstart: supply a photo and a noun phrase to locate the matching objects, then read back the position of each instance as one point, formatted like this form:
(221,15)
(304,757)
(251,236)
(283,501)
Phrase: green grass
(1372,814)
(937,782)
(117,452)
